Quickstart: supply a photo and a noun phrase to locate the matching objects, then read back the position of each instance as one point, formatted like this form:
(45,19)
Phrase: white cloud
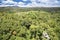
(9,2)
(25,0)
(48,3)
(43,0)
(6,5)
(21,3)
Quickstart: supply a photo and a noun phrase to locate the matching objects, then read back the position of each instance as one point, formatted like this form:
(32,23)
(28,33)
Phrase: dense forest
(29,23)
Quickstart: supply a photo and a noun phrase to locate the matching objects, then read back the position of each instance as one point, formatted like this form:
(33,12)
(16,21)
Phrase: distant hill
(22,9)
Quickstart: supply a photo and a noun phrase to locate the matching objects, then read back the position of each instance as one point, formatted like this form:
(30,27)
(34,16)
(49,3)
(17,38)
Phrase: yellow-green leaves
(33,26)
(29,25)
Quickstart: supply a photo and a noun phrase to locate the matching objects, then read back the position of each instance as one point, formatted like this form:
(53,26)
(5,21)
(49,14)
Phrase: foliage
(29,25)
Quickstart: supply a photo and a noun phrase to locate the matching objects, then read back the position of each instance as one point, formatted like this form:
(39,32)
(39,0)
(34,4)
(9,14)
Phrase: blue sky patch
(17,0)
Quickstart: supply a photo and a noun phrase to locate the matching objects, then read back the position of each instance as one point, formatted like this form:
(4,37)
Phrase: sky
(30,3)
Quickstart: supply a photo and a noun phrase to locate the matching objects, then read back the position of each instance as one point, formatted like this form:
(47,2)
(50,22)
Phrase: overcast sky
(30,3)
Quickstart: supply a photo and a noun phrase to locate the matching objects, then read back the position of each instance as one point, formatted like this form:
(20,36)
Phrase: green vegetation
(29,25)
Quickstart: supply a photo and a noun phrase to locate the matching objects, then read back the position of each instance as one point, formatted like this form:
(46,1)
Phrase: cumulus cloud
(34,3)
(25,0)
(45,3)
(21,3)
(8,2)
